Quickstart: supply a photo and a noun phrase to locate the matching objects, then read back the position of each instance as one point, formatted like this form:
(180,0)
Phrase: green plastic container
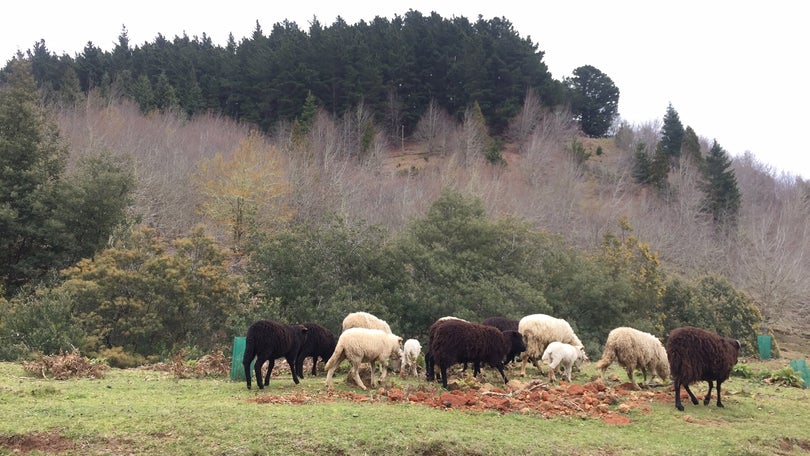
(764,343)
(800,366)
(237,369)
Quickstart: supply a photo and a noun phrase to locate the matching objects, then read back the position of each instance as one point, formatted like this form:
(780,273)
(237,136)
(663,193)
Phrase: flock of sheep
(691,354)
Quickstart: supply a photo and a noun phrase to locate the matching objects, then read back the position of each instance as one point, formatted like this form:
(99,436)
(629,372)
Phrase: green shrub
(117,357)
(786,377)
(742,370)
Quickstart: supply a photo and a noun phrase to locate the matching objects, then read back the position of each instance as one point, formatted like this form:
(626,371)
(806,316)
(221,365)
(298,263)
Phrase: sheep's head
(581,355)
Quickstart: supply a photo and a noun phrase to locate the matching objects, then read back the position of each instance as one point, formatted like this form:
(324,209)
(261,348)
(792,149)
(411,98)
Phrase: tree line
(395,67)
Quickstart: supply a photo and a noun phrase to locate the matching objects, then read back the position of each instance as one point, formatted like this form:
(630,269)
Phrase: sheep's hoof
(695,401)
(721,405)
(679,407)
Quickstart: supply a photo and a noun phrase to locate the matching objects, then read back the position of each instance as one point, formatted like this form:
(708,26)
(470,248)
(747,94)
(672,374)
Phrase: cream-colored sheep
(539,330)
(558,354)
(634,349)
(365,320)
(363,345)
(411,350)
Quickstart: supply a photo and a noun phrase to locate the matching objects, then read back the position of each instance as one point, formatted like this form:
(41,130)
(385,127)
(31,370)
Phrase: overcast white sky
(734,71)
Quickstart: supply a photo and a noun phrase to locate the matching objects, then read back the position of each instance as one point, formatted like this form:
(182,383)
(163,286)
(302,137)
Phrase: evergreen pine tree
(641,165)
(721,194)
(690,147)
(32,159)
(671,136)
(595,100)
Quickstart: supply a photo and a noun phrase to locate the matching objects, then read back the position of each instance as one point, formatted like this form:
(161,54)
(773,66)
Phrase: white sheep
(558,354)
(365,320)
(634,349)
(539,330)
(363,345)
(411,350)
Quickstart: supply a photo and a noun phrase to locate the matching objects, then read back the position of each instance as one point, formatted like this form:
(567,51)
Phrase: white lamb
(634,349)
(363,345)
(410,356)
(365,320)
(539,330)
(559,354)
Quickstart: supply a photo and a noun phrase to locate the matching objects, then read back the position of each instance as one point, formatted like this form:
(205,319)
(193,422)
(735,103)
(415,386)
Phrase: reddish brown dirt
(50,442)
(590,400)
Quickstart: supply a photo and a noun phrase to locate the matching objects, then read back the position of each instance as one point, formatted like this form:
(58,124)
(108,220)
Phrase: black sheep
(456,341)
(699,355)
(430,366)
(267,340)
(320,343)
(504,324)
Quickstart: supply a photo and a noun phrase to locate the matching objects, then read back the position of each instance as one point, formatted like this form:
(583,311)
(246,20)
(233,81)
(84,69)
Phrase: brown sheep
(320,343)
(699,355)
(456,341)
(267,340)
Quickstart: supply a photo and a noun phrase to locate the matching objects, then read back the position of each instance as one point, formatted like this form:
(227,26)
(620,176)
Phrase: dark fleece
(267,340)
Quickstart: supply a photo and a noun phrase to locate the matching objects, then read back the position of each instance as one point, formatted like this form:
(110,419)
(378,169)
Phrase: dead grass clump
(65,366)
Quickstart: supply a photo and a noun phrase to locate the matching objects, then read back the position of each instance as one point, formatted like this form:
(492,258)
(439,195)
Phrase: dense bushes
(146,298)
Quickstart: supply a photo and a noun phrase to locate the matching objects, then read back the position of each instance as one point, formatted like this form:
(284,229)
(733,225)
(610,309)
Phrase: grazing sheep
(365,320)
(504,324)
(430,365)
(634,349)
(411,350)
(456,341)
(699,355)
(267,340)
(559,354)
(538,331)
(363,345)
(320,343)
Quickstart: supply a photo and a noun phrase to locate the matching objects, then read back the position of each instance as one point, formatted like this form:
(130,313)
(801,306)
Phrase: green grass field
(139,411)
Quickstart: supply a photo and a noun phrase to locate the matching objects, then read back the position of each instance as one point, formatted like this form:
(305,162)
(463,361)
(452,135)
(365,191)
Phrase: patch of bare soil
(591,400)
(50,442)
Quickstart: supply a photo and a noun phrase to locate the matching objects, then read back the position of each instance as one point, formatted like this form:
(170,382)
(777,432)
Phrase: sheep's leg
(551,368)
(443,370)
(296,370)
(719,404)
(314,365)
(632,377)
(430,368)
(257,368)
(248,373)
(678,404)
(536,363)
(499,366)
(708,397)
(525,359)
(382,375)
(270,371)
(691,396)
(356,375)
